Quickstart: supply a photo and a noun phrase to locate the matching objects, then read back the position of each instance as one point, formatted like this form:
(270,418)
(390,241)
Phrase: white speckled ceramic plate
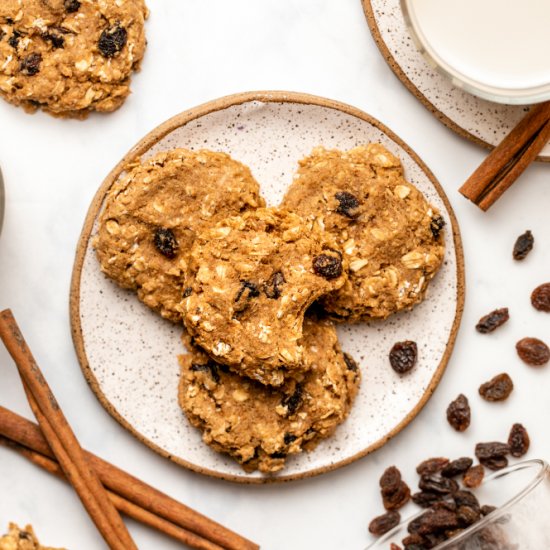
(128,353)
(479,120)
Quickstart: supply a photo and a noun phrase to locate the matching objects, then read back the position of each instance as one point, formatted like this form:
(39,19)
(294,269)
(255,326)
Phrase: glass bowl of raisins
(509,511)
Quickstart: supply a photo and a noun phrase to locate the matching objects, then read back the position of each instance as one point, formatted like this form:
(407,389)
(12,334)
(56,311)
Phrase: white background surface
(200,50)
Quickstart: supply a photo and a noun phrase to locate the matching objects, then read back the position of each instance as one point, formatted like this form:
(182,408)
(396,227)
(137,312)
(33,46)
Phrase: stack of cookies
(258,289)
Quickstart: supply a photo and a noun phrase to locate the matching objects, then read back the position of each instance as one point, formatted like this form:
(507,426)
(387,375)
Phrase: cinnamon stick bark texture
(510,158)
(122,505)
(26,433)
(62,440)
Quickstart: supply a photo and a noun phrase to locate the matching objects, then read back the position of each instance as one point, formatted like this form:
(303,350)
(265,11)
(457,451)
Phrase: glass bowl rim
(542,469)
(526,96)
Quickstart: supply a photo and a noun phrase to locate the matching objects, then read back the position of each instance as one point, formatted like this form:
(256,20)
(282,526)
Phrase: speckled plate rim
(154,137)
(396,68)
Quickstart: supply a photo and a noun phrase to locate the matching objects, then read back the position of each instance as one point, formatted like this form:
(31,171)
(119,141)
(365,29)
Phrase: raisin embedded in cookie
(151,215)
(260,426)
(70,57)
(390,235)
(251,280)
(21,539)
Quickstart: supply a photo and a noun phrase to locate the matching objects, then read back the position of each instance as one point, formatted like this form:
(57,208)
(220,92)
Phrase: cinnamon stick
(122,505)
(28,434)
(62,440)
(510,158)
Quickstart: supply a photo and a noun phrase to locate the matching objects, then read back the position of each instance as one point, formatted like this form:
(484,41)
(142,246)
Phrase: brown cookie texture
(260,426)
(151,216)
(390,235)
(21,539)
(250,281)
(70,57)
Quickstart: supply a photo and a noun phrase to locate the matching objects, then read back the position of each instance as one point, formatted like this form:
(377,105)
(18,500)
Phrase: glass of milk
(496,49)
(521,520)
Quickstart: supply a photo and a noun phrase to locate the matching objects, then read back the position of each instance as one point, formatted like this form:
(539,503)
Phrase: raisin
(457,467)
(446,503)
(351,364)
(425,499)
(486,509)
(437,520)
(474,476)
(432,466)
(491,321)
(533,351)
(208,367)
(498,388)
(384,523)
(56,40)
(25,535)
(278,455)
(436,484)
(30,65)
(187,292)
(329,267)
(348,204)
(289,438)
(394,546)
(273,288)
(459,414)
(293,401)
(14,39)
(246,291)
(467,515)
(466,498)
(436,225)
(72,5)
(403,356)
(523,245)
(493,454)
(395,492)
(518,440)
(112,40)
(540,297)
(165,242)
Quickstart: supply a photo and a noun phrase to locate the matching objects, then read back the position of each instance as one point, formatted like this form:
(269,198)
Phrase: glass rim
(542,468)
(509,96)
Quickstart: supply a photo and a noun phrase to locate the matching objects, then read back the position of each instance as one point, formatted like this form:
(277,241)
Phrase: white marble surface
(200,50)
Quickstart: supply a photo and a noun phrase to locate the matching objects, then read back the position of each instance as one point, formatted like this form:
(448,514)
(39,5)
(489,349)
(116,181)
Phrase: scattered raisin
(394,546)
(540,297)
(432,466)
(446,503)
(390,479)
(493,454)
(56,40)
(246,291)
(459,414)
(437,520)
(466,498)
(486,509)
(351,364)
(72,5)
(474,476)
(30,65)
(518,440)
(436,225)
(425,499)
(329,267)
(293,401)
(165,242)
(491,321)
(403,356)
(467,515)
(349,204)
(457,467)
(112,40)
(436,484)
(273,287)
(384,523)
(498,388)
(523,245)
(533,351)
(395,492)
